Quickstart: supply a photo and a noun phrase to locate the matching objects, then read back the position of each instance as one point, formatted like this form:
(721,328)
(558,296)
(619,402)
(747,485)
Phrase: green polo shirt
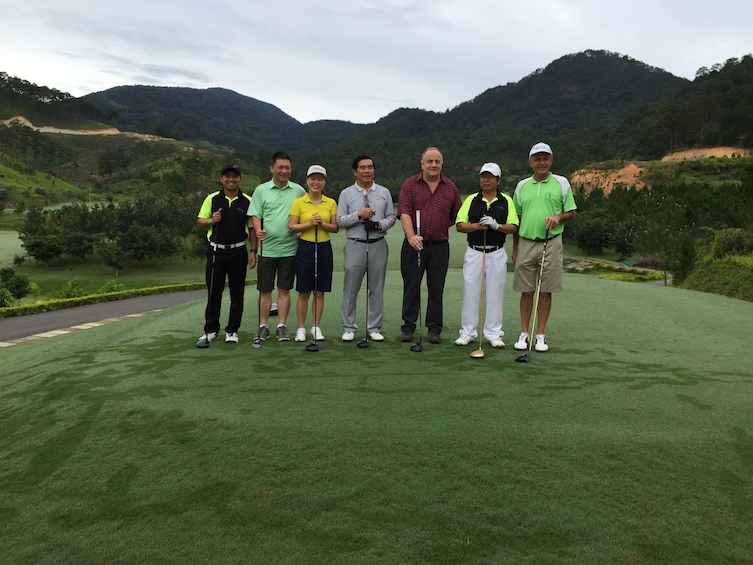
(272,204)
(535,200)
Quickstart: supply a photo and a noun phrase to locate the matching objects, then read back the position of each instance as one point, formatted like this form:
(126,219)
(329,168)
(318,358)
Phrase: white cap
(540,148)
(316,169)
(492,168)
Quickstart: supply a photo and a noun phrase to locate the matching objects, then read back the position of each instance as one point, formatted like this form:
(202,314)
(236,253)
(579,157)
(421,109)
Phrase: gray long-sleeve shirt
(353,198)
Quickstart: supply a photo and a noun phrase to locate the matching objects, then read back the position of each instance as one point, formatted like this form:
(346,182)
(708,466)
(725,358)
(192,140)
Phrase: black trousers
(230,264)
(435,259)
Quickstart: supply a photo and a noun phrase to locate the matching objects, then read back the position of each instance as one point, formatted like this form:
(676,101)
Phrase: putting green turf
(630,441)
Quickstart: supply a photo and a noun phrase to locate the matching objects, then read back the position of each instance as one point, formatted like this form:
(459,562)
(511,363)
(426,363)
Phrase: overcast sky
(354,60)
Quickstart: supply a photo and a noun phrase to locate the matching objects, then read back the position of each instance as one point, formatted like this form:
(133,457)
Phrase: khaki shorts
(528,264)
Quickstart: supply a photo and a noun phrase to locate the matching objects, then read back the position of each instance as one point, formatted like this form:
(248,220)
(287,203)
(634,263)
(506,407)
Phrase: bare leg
(283,306)
(542,315)
(526,306)
(265,304)
(301,308)
(319,308)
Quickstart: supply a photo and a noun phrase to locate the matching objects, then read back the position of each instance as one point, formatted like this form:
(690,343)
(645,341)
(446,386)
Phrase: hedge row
(60,304)
(730,276)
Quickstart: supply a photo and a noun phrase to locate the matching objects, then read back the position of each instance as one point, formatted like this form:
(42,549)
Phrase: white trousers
(496,277)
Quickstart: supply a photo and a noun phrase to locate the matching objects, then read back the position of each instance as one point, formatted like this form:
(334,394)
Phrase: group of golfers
(289,230)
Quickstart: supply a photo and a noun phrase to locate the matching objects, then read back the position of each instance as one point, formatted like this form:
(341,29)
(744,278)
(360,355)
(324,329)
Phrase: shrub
(6,298)
(730,276)
(71,289)
(111,286)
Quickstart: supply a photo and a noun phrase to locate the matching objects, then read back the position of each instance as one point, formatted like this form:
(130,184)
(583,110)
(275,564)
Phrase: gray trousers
(354,264)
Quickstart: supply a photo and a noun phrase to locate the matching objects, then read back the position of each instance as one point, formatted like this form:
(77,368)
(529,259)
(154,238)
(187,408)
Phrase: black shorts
(309,272)
(269,268)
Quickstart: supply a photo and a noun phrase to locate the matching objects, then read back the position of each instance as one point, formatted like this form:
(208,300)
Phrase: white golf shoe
(376,336)
(497,343)
(349,336)
(463,340)
(316,333)
(300,334)
(522,343)
(540,344)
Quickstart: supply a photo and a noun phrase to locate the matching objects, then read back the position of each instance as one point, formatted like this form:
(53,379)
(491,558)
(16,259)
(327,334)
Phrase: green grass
(10,246)
(93,276)
(630,441)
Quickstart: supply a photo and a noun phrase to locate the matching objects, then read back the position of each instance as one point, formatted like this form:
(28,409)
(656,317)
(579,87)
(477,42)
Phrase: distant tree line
(151,227)
(669,222)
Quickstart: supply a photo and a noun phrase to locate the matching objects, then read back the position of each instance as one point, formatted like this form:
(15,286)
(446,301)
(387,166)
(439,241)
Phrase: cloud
(352,59)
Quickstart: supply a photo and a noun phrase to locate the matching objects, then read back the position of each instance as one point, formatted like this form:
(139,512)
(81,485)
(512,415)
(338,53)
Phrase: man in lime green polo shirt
(270,212)
(543,202)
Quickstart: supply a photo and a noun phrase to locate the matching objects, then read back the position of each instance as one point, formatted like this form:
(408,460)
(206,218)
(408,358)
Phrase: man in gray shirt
(366,211)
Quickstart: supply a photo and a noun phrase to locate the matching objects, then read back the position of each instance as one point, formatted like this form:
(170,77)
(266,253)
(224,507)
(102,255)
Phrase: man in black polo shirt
(486,216)
(224,215)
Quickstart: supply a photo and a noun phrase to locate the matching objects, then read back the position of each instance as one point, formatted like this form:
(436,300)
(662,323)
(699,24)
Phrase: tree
(666,234)
(16,284)
(111,254)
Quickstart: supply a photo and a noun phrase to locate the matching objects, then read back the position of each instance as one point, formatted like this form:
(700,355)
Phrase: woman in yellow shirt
(314,216)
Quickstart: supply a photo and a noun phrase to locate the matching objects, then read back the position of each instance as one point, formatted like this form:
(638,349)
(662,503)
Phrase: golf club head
(256,343)
(363,344)
(525,358)
(312,347)
(478,354)
(417,347)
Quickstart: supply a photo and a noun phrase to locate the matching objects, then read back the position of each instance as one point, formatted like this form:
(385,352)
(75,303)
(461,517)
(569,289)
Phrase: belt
(366,240)
(227,245)
(541,239)
(434,242)
(487,248)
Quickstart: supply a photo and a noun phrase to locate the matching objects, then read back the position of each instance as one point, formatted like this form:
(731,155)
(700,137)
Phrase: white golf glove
(489,222)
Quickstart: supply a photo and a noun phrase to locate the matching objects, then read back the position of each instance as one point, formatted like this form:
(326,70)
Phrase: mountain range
(590,106)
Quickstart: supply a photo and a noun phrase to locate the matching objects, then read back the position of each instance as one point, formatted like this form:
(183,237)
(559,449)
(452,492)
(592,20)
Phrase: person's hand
(316,219)
(251,260)
(490,223)
(260,234)
(366,213)
(217,216)
(416,242)
(552,222)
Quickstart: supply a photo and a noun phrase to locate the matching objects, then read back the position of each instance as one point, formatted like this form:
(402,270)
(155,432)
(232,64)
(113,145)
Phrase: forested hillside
(216,115)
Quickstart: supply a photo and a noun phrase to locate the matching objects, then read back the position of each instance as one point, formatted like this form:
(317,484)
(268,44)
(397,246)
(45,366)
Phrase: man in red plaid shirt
(437,199)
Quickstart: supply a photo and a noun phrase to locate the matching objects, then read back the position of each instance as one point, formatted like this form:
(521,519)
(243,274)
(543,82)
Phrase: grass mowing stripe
(629,441)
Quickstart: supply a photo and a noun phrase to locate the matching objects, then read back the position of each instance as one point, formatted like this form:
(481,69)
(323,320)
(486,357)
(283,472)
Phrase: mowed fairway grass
(630,441)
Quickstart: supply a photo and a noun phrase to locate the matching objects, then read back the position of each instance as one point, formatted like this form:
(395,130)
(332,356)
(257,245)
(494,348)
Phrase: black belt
(434,242)
(541,239)
(227,245)
(487,248)
(366,240)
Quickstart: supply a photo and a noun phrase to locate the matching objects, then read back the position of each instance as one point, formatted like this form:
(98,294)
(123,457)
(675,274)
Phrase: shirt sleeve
(462,217)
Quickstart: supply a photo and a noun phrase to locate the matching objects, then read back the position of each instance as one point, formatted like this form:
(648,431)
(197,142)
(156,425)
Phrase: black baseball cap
(230,167)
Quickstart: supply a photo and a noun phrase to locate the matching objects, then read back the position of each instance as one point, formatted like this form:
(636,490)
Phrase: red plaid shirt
(438,209)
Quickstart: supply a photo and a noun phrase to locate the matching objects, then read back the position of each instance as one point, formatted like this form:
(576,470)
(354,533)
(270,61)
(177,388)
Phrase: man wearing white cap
(543,202)
(486,217)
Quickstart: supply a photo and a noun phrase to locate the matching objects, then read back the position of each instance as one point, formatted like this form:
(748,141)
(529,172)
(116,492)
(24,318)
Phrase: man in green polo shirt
(543,202)
(270,212)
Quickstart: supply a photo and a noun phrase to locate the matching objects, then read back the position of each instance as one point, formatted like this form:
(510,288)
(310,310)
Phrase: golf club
(203,343)
(257,340)
(479,353)
(419,346)
(314,346)
(364,343)
(526,357)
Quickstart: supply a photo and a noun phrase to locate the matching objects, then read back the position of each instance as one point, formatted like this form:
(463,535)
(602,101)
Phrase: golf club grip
(418,222)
